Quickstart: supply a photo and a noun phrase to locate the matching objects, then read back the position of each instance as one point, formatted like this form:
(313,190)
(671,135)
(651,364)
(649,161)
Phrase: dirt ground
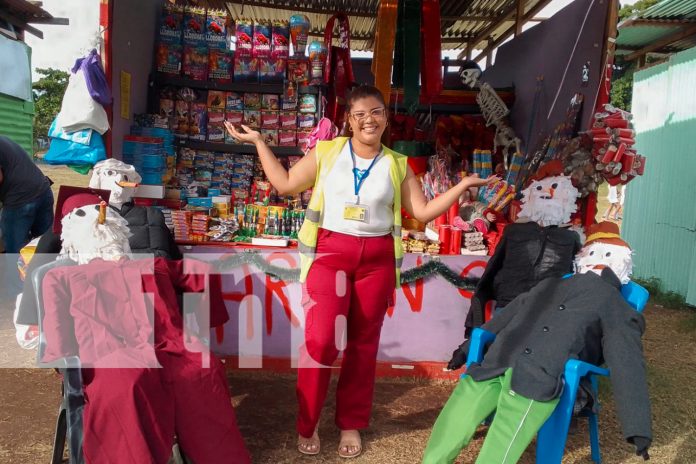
(404,411)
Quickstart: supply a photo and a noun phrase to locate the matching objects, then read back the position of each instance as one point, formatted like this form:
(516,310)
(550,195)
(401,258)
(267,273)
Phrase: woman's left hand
(475,181)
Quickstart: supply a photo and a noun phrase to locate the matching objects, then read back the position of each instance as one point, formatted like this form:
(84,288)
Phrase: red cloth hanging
(339,69)
(431,50)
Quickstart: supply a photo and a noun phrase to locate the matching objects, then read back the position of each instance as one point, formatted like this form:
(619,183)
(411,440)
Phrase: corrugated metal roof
(638,36)
(461,20)
(659,22)
(17,121)
(671,9)
(658,222)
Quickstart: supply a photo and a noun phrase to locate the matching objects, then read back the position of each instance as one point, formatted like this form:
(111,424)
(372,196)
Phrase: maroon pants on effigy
(132,415)
(352,277)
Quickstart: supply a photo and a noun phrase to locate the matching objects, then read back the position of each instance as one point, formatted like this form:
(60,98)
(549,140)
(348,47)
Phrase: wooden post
(641,61)
(489,55)
(469,50)
(519,17)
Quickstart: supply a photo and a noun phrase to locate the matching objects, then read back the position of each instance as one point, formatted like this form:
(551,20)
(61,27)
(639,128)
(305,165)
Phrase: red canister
(456,241)
(445,237)
(452,212)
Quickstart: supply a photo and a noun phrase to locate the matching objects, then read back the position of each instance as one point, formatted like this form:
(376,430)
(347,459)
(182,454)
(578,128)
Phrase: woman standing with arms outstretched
(350,251)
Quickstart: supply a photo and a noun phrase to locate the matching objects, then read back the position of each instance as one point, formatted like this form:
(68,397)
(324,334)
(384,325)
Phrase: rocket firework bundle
(613,138)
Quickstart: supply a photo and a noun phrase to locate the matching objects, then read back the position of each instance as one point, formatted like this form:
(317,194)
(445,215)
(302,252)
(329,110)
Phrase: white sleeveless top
(376,192)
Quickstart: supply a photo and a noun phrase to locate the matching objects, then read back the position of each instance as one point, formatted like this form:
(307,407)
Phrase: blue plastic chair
(552,436)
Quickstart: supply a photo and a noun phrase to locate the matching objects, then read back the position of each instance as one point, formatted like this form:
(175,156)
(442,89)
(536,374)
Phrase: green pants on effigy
(517,420)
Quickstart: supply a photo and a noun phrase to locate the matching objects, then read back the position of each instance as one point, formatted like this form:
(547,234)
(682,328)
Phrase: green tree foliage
(622,90)
(638,7)
(48,95)
(622,79)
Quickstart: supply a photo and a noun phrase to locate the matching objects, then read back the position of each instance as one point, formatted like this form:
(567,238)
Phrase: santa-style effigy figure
(147,382)
(580,317)
(539,245)
(149,234)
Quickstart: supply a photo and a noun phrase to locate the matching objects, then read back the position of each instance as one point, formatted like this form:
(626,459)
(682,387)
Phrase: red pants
(353,277)
(132,415)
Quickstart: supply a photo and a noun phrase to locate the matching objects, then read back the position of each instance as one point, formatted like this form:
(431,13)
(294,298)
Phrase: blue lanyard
(358,175)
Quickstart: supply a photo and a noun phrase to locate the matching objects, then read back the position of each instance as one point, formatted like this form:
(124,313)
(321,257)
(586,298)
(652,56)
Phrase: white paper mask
(108,173)
(597,256)
(85,239)
(549,201)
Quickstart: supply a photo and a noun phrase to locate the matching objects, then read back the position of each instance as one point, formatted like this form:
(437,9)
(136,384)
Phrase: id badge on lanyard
(354,210)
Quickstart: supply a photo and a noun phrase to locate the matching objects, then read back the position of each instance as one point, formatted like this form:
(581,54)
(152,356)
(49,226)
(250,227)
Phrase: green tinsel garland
(433,267)
(438,267)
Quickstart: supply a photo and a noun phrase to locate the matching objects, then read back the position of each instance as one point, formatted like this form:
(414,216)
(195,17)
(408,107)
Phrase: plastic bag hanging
(97,84)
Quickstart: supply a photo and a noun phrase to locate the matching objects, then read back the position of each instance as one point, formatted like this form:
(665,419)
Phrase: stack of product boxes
(203,119)
(193,42)
(261,52)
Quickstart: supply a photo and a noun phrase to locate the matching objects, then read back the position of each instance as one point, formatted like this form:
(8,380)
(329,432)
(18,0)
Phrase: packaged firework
(269,120)
(169,58)
(280,47)
(266,70)
(234,101)
(166,108)
(270,136)
(270,101)
(216,29)
(245,68)
(262,40)
(298,71)
(305,121)
(182,112)
(287,138)
(252,118)
(288,120)
(197,125)
(194,26)
(171,24)
(244,31)
(220,65)
(216,100)
(308,103)
(235,117)
(195,63)
(252,101)
(216,117)
(303,137)
(216,133)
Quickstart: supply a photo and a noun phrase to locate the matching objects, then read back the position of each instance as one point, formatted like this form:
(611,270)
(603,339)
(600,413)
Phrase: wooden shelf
(234,148)
(164,79)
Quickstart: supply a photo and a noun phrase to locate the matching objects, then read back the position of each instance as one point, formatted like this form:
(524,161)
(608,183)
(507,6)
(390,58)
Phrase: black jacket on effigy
(150,235)
(150,232)
(526,254)
(581,317)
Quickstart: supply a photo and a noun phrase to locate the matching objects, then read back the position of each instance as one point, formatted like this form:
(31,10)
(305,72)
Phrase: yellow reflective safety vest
(327,152)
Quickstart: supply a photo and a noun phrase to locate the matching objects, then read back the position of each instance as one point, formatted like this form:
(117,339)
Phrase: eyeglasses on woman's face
(377,114)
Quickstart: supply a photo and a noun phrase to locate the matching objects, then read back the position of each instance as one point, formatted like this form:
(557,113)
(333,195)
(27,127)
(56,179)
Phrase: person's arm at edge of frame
(287,182)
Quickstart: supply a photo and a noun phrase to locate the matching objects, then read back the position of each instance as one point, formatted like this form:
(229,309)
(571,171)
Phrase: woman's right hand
(248,136)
